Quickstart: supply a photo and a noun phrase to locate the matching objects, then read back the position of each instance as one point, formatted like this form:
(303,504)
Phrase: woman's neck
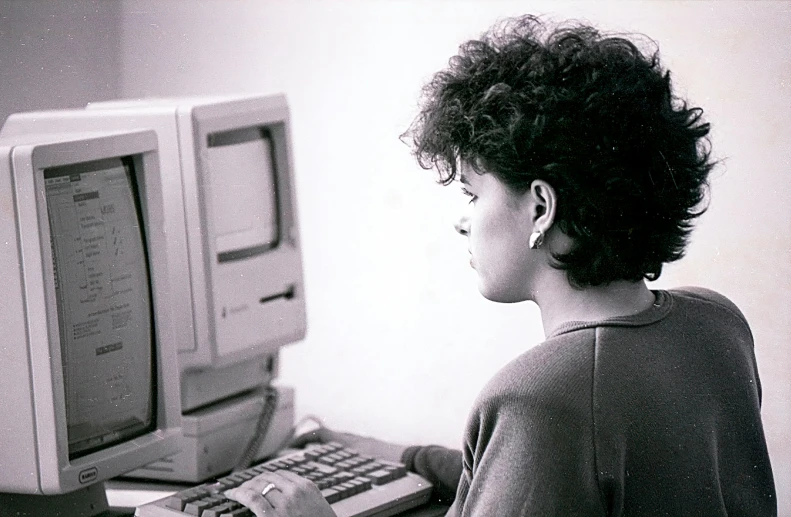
(561,303)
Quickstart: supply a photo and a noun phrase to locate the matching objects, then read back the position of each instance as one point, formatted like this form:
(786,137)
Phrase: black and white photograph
(374,258)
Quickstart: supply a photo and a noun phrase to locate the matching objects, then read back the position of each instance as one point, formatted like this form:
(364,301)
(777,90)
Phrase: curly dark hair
(587,113)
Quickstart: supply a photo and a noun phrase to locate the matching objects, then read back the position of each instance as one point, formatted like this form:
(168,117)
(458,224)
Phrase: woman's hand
(281,494)
(295,496)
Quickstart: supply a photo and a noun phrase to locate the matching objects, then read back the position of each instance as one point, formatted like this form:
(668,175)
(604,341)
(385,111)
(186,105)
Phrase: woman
(584,174)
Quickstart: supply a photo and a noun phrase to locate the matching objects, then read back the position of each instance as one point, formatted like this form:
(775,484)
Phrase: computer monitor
(229,157)
(243,238)
(86,364)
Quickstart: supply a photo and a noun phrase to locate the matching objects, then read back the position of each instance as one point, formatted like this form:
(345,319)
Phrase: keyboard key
(239,512)
(197,507)
(364,482)
(226,483)
(397,471)
(312,455)
(325,469)
(331,495)
(217,511)
(344,476)
(324,483)
(179,500)
(330,459)
(345,490)
(379,477)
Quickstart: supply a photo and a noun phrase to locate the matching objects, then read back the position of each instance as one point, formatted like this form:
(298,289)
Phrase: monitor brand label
(88,475)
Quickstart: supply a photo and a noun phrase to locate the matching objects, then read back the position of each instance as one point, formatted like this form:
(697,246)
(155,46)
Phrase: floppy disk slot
(287,294)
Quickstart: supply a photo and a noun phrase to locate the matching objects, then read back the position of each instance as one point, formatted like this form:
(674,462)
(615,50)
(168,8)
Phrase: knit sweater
(648,415)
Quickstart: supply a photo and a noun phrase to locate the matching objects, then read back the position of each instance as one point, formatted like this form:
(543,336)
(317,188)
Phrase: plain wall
(58,54)
(399,340)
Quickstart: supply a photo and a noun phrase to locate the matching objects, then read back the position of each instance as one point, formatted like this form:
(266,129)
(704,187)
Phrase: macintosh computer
(210,225)
(237,241)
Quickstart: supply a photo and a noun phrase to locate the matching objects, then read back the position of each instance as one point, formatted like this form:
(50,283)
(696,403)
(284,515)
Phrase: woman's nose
(463,225)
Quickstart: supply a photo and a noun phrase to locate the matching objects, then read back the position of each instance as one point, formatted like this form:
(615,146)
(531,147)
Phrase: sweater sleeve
(537,460)
(439,465)
(529,441)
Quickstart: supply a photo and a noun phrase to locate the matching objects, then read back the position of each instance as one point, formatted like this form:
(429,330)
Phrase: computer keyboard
(355,485)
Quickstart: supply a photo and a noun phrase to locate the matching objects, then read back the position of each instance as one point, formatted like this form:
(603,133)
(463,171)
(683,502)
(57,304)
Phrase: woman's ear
(544,205)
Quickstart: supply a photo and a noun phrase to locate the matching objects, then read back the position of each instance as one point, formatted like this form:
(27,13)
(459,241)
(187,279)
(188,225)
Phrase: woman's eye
(469,194)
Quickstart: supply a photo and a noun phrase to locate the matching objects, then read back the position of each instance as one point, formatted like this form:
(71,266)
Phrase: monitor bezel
(271,116)
(57,473)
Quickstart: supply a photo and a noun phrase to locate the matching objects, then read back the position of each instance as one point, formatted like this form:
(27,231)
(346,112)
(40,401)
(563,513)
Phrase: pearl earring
(536,240)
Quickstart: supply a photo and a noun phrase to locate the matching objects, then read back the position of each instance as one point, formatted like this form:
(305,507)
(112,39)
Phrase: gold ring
(268,488)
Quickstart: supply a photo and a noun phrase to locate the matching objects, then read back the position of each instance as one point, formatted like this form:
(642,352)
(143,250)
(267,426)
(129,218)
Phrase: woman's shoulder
(706,299)
(554,366)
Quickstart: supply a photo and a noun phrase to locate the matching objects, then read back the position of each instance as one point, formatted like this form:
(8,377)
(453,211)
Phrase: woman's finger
(252,499)
(282,494)
(276,478)
(273,488)
(306,500)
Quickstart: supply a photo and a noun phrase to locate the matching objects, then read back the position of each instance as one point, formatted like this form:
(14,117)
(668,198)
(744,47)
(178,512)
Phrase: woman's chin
(500,295)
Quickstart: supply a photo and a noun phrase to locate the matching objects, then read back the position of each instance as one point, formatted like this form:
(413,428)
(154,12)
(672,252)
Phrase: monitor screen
(241,170)
(104,302)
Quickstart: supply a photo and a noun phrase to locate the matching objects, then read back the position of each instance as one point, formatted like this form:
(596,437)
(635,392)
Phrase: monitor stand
(90,501)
